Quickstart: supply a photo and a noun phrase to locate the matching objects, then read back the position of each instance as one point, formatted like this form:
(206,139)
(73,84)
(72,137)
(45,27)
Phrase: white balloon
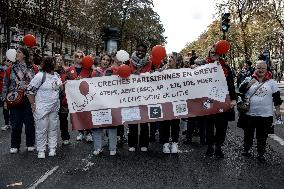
(11,55)
(122,55)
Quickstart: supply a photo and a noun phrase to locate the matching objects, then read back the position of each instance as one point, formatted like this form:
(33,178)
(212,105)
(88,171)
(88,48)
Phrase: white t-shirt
(47,95)
(261,103)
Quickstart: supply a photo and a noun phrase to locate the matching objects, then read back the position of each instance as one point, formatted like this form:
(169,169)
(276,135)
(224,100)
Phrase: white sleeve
(35,83)
(274,86)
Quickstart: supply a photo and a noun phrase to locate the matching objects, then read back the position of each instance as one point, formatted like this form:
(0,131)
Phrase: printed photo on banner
(101,117)
(130,114)
(207,104)
(155,111)
(180,108)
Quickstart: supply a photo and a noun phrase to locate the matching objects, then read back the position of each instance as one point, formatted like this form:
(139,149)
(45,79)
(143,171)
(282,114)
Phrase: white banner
(174,85)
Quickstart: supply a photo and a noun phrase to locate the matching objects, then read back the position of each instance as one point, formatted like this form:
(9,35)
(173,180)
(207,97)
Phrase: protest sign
(171,94)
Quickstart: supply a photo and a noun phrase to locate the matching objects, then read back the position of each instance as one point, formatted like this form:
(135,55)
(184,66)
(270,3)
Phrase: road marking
(44,177)
(277,138)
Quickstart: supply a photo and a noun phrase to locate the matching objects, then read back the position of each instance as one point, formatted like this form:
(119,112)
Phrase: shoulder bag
(243,106)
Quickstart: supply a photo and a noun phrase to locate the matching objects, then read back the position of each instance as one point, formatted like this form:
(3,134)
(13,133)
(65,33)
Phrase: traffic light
(225,22)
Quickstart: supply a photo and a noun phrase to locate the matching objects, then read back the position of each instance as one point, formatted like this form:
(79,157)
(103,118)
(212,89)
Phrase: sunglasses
(78,56)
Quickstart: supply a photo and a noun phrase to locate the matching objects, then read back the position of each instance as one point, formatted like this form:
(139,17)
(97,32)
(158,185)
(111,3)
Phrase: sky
(184,20)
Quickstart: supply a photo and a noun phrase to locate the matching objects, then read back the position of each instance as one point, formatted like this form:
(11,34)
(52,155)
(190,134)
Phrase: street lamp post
(110,38)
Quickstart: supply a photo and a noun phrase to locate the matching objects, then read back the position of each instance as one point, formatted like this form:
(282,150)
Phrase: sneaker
(13,150)
(80,137)
(166,148)
(97,152)
(31,148)
(41,155)
(144,149)
(89,137)
(210,151)
(66,142)
(52,152)
(5,127)
(112,152)
(131,149)
(174,149)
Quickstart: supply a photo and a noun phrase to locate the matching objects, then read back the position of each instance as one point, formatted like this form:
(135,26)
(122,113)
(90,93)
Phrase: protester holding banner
(115,63)
(104,70)
(16,81)
(63,111)
(263,92)
(6,113)
(219,121)
(196,123)
(139,63)
(43,94)
(168,127)
(78,72)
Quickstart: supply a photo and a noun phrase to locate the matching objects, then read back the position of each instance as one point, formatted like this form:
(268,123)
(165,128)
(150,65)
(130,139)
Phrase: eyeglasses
(78,56)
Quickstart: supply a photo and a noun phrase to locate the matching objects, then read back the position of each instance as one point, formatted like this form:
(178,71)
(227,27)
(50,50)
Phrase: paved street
(75,167)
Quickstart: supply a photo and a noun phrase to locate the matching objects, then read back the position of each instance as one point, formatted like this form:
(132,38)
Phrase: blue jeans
(19,116)
(112,135)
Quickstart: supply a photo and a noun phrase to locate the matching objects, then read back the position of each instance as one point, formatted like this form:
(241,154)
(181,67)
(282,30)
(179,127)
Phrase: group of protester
(44,107)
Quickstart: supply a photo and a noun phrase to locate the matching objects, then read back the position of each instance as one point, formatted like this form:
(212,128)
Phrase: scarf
(267,76)
(223,64)
(137,62)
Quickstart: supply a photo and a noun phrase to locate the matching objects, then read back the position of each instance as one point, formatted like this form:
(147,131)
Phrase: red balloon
(222,47)
(87,62)
(84,88)
(114,70)
(156,61)
(29,40)
(85,73)
(124,71)
(159,52)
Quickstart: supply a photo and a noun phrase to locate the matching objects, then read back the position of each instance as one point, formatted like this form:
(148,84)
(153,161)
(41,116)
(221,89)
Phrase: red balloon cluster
(87,62)
(158,54)
(222,47)
(29,40)
(124,71)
